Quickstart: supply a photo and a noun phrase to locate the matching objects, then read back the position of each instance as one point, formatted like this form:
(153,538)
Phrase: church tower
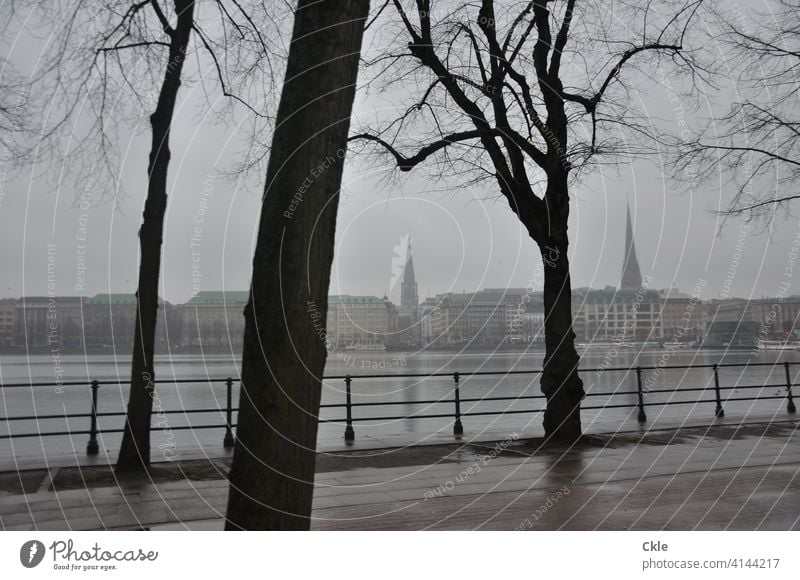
(409,299)
(631,275)
(408,313)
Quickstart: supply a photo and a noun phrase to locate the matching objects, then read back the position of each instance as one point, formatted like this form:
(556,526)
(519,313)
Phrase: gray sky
(464,239)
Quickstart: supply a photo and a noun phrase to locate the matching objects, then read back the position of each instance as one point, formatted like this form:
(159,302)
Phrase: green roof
(217,297)
(476,297)
(117,298)
(112,299)
(609,296)
(673,295)
(347,299)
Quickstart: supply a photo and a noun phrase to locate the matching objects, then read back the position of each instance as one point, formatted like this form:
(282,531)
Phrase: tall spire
(408,271)
(408,290)
(631,275)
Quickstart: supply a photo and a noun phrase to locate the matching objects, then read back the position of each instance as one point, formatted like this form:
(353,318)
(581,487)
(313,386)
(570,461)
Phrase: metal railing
(92,446)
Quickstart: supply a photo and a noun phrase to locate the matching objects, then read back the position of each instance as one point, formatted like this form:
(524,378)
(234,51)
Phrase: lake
(209,393)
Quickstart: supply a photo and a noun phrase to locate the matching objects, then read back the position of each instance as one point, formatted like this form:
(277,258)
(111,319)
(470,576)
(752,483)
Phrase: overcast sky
(464,238)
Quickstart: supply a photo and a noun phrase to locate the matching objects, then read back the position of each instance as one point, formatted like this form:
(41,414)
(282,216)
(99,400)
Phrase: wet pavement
(738,477)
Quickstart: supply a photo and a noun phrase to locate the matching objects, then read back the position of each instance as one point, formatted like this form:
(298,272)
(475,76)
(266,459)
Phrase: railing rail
(456,401)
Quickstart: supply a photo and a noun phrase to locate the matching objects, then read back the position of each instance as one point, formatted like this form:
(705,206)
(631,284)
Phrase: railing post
(229,441)
(349,433)
(458,428)
(719,411)
(642,415)
(790,408)
(92,448)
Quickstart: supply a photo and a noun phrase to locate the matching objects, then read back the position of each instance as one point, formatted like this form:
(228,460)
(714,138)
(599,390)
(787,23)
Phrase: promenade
(723,477)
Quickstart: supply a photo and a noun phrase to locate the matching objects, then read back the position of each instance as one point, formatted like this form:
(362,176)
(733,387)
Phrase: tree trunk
(272,477)
(134,455)
(560,381)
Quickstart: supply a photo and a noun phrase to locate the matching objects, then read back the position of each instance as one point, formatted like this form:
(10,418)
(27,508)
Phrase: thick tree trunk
(560,381)
(134,455)
(272,477)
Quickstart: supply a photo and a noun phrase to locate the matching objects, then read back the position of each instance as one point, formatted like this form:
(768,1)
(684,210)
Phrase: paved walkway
(724,477)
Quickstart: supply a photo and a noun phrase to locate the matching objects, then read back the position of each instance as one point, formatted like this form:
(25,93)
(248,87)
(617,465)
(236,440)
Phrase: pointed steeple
(408,290)
(408,271)
(631,275)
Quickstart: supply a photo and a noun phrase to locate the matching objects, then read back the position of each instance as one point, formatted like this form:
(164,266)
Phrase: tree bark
(134,455)
(272,477)
(560,382)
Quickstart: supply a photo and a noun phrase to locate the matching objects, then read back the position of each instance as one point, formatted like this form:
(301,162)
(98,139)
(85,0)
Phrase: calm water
(208,393)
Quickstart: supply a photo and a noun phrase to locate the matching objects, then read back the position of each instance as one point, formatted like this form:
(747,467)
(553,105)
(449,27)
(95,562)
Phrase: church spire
(408,289)
(631,275)
(408,271)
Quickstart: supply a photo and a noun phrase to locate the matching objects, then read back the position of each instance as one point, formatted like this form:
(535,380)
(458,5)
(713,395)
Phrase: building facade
(8,316)
(467,320)
(212,318)
(617,315)
(360,322)
(49,321)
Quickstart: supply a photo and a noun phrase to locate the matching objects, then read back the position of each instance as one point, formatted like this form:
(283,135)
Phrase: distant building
(212,318)
(531,330)
(617,315)
(524,314)
(409,333)
(426,320)
(731,334)
(776,318)
(360,322)
(49,321)
(109,320)
(631,313)
(475,319)
(8,314)
(682,317)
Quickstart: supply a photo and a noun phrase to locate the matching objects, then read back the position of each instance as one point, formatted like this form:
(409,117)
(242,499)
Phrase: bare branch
(408,163)
(163,19)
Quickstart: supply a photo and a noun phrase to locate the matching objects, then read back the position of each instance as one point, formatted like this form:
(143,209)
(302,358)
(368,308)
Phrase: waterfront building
(776,318)
(617,315)
(109,320)
(738,334)
(8,314)
(524,314)
(213,318)
(426,310)
(683,317)
(473,319)
(49,321)
(360,322)
(630,313)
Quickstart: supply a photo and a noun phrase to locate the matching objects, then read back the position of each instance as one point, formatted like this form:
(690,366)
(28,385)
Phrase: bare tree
(272,477)
(529,94)
(13,99)
(110,64)
(134,453)
(754,147)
